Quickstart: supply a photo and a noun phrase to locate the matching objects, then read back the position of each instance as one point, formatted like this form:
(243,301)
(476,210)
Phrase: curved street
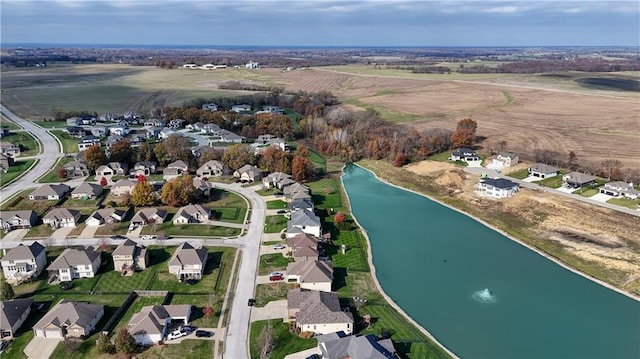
(47,158)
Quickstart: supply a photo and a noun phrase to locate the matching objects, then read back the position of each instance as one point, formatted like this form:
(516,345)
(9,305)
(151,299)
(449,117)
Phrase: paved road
(537,187)
(49,154)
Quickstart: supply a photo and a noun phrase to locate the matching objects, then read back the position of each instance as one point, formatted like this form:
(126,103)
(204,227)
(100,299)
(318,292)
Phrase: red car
(274,278)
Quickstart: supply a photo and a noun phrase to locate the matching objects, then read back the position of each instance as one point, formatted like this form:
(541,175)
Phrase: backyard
(19,167)
(284,342)
(28,144)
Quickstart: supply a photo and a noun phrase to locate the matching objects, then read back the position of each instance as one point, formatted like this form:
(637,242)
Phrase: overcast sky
(322,22)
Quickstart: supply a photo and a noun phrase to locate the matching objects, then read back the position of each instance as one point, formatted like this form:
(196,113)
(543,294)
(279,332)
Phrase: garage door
(53,333)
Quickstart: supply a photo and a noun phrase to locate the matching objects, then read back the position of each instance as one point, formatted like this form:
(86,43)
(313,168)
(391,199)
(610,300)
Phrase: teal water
(435,264)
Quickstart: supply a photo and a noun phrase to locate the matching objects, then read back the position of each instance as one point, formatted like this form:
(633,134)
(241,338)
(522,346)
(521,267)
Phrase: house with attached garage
(339,345)
(106,215)
(277,180)
(296,191)
(248,173)
(318,312)
(75,263)
(577,180)
(112,169)
(464,154)
(212,168)
(76,169)
(204,188)
(87,191)
(620,189)
(10,149)
(69,319)
(143,168)
(210,106)
(304,222)
(13,313)
(497,187)
(188,262)
(151,324)
(50,192)
(175,169)
(311,274)
(193,213)
(113,140)
(87,142)
(542,171)
(129,257)
(62,217)
(23,262)
(123,186)
(506,159)
(154,122)
(149,216)
(10,220)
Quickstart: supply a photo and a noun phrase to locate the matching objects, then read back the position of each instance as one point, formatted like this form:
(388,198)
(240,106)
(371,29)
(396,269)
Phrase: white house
(75,263)
(542,171)
(620,189)
(192,213)
(318,312)
(304,222)
(312,275)
(150,325)
(23,262)
(62,217)
(497,187)
(464,154)
(188,262)
(506,159)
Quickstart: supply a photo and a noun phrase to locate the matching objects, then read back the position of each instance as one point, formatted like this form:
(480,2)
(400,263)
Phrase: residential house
(241,108)
(112,169)
(303,222)
(166,132)
(88,141)
(137,140)
(154,122)
(542,171)
(497,187)
(188,262)
(120,129)
(4,132)
(10,149)
(305,253)
(210,106)
(151,324)
(212,168)
(149,216)
(275,180)
(311,274)
(194,126)
(506,159)
(227,136)
(75,131)
(176,123)
(464,154)
(50,192)
(318,312)
(129,257)
(153,132)
(303,240)
(620,189)
(210,128)
(192,213)
(13,313)
(86,120)
(252,65)
(272,109)
(301,204)
(74,121)
(69,319)
(6,162)
(87,191)
(99,131)
(114,140)
(248,173)
(338,345)
(296,191)
(61,217)
(75,263)
(204,188)
(105,215)
(10,220)
(76,169)
(109,116)
(143,168)
(23,262)
(577,180)
(175,169)
(123,186)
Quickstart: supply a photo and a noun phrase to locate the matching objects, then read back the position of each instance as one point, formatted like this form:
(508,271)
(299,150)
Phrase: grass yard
(200,301)
(273,262)
(113,228)
(29,146)
(8,124)
(318,161)
(551,182)
(277,204)
(135,307)
(625,202)
(440,157)
(228,207)
(266,293)
(587,192)
(267,191)
(326,194)
(114,282)
(519,174)
(189,348)
(191,230)
(284,342)
(69,144)
(50,124)
(20,167)
(52,176)
(275,223)
(356,256)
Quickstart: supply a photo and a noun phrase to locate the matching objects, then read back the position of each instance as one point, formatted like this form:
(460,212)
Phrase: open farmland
(559,112)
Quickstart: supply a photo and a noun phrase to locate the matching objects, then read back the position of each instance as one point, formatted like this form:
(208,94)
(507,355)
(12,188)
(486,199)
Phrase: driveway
(276,309)
(89,232)
(15,235)
(218,334)
(304,354)
(601,197)
(62,233)
(41,348)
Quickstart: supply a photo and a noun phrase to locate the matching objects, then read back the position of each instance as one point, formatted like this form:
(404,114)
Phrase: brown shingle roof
(317,307)
(311,271)
(24,252)
(186,254)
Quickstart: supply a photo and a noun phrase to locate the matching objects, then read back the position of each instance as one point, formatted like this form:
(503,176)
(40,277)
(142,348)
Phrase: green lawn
(191,230)
(15,171)
(284,342)
(69,144)
(28,144)
(356,256)
(275,224)
(266,293)
(519,174)
(273,262)
(318,161)
(6,123)
(326,194)
(587,192)
(114,282)
(51,124)
(189,348)
(551,182)
(440,157)
(52,176)
(625,202)
(135,307)
(266,192)
(228,207)
(277,204)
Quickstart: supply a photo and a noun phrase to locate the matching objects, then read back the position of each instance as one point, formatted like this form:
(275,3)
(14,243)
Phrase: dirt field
(606,240)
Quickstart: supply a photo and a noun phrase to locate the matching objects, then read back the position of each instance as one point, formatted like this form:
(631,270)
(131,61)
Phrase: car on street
(147,237)
(176,334)
(203,333)
(118,237)
(251,302)
(188,328)
(279,246)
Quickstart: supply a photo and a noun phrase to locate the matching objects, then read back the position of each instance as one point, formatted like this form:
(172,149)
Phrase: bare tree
(48,243)
(265,341)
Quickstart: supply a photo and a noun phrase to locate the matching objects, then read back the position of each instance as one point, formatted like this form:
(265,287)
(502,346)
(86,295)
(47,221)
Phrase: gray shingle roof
(186,254)
(69,313)
(311,271)
(151,319)
(145,214)
(24,252)
(317,307)
(542,168)
(90,188)
(60,213)
(71,256)
(126,248)
(12,310)
(105,213)
(51,189)
(303,219)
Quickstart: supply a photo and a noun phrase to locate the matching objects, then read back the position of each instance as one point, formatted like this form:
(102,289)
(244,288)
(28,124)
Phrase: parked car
(118,237)
(282,211)
(147,236)
(66,285)
(188,328)
(252,302)
(203,333)
(275,278)
(279,246)
(176,334)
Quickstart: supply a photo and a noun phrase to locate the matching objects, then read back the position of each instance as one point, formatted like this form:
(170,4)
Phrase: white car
(279,246)
(147,237)
(176,334)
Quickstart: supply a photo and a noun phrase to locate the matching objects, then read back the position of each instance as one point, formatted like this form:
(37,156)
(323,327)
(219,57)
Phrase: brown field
(528,111)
